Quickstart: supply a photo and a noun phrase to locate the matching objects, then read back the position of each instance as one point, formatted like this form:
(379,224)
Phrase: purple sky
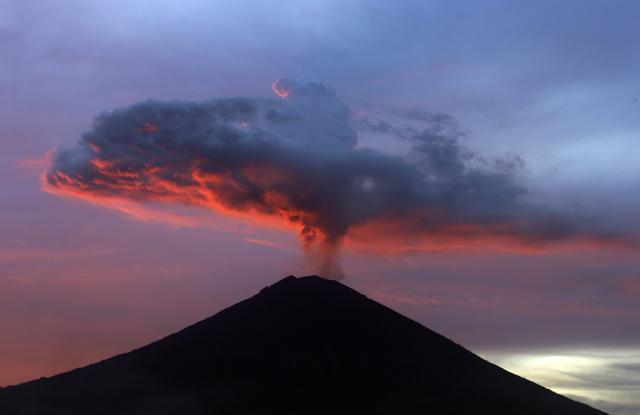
(553,83)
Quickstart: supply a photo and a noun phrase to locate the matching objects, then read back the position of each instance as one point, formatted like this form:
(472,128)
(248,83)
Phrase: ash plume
(296,158)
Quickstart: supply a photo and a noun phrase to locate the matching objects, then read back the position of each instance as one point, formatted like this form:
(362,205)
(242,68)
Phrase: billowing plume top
(287,88)
(309,116)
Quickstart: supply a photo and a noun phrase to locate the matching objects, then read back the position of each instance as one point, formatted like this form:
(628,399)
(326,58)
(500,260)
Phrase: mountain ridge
(323,343)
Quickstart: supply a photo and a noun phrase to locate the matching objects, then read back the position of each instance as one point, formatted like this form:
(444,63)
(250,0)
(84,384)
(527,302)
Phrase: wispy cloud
(606,378)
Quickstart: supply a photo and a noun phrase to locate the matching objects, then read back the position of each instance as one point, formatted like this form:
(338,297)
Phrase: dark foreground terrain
(301,346)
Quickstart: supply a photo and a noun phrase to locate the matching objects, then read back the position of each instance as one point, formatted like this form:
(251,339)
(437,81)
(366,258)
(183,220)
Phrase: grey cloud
(297,159)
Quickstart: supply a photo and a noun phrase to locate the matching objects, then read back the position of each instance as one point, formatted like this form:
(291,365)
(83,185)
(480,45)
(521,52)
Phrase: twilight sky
(536,96)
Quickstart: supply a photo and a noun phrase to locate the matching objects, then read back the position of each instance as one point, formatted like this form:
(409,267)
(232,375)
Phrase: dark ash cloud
(297,158)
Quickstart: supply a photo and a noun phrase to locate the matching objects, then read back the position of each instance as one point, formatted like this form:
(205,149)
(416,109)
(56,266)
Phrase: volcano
(301,346)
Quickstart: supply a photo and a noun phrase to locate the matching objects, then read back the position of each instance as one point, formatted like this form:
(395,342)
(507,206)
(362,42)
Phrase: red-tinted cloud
(294,162)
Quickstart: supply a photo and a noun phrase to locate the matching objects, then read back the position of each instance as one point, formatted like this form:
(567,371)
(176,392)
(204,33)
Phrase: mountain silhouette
(301,346)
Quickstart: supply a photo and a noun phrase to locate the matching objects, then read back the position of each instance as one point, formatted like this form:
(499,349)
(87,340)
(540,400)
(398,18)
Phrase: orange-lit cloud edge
(395,236)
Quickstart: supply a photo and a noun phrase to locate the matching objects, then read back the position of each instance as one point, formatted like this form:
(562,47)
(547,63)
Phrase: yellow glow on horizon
(595,377)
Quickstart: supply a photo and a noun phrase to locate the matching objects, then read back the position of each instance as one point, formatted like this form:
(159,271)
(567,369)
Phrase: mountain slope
(304,346)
